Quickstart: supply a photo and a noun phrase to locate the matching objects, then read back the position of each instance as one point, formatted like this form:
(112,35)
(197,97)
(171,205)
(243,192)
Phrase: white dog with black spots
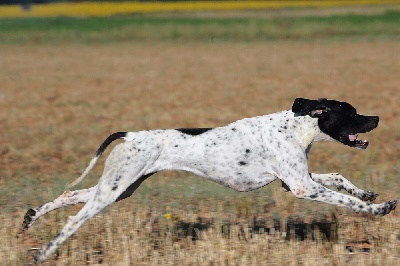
(244,155)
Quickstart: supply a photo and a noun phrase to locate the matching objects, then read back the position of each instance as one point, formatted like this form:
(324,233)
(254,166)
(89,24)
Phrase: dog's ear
(313,108)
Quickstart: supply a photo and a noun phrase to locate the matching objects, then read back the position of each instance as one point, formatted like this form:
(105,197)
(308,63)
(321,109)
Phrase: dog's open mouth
(360,144)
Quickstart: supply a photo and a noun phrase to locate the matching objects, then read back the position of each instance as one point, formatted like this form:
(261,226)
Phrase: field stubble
(59,102)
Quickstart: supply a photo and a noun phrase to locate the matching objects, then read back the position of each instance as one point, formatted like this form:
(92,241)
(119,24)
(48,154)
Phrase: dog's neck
(307,129)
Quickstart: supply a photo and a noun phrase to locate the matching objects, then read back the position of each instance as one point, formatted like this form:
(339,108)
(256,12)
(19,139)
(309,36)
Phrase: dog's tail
(99,152)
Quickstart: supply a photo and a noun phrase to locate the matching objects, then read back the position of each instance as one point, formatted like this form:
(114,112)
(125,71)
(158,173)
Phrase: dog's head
(337,119)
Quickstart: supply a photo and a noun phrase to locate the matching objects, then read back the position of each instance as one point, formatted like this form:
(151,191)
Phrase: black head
(337,119)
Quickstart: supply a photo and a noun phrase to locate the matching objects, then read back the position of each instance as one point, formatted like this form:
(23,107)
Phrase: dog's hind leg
(340,182)
(66,199)
(129,191)
(92,207)
(102,196)
(71,198)
(124,171)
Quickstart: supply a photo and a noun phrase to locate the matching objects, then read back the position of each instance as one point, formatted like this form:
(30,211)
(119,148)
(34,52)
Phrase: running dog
(244,155)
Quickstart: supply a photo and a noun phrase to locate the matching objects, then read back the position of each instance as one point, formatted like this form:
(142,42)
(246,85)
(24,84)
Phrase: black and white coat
(244,155)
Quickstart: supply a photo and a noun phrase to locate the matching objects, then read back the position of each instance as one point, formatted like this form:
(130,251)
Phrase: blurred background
(73,72)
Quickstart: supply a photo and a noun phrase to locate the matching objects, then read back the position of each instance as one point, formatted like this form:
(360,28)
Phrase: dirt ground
(58,103)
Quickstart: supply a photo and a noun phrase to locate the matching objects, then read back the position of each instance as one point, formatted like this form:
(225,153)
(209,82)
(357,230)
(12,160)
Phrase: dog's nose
(376,120)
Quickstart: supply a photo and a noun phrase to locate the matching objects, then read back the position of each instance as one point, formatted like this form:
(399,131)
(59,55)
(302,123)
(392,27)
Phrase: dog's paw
(29,219)
(386,208)
(38,258)
(368,196)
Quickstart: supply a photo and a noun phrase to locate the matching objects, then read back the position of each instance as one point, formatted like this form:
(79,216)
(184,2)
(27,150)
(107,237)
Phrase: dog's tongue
(353,137)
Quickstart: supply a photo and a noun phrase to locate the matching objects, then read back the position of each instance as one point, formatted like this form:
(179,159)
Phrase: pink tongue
(353,137)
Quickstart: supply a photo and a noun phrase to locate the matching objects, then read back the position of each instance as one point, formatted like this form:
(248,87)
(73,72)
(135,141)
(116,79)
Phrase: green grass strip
(140,28)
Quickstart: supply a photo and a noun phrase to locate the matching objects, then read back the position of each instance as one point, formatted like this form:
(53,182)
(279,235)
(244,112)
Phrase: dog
(244,155)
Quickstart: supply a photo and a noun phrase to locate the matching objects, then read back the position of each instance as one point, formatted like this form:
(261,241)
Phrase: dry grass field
(58,102)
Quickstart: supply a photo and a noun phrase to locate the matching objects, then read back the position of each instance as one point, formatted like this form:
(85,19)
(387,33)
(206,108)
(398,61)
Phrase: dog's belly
(241,163)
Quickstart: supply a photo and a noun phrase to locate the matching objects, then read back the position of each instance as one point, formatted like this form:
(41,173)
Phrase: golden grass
(102,9)
(132,236)
(58,102)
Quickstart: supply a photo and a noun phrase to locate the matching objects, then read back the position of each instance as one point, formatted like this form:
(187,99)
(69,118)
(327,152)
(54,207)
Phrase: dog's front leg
(306,188)
(340,182)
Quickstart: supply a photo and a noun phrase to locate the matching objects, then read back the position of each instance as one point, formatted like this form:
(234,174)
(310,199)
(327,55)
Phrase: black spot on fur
(247,151)
(114,187)
(193,131)
(242,163)
(129,191)
(31,212)
(313,196)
